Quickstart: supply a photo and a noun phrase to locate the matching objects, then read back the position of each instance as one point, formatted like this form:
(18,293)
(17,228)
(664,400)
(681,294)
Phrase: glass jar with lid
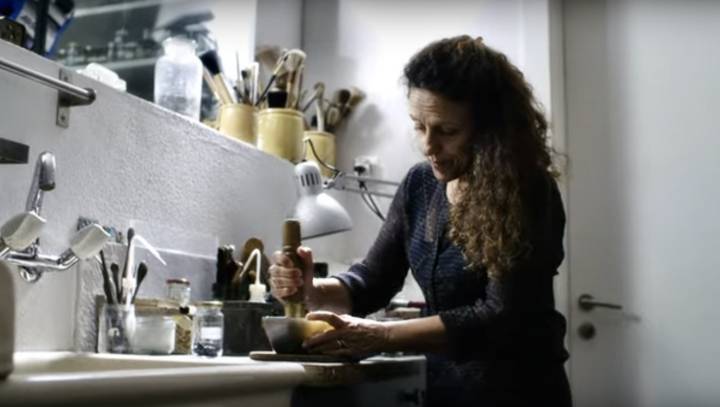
(178,77)
(208,329)
(178,289)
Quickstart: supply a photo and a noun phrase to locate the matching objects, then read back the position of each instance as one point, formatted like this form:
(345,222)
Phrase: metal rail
(72,95)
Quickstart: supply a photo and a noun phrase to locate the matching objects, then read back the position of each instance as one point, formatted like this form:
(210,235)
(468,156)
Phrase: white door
(643,140)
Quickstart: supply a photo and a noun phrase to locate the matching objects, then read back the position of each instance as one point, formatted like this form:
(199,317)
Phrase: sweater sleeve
(517,311)
(373,282)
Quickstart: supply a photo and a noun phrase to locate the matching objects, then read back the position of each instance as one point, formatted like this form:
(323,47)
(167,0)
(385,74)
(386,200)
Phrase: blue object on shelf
(11,8)
(57,18)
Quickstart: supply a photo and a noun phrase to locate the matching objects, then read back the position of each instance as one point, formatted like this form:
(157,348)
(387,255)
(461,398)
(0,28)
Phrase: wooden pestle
(295,304)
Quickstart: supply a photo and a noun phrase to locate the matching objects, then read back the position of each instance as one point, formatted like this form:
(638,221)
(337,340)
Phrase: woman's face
(444,129)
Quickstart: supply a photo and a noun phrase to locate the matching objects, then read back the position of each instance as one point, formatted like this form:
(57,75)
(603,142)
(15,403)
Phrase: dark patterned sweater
(503,336)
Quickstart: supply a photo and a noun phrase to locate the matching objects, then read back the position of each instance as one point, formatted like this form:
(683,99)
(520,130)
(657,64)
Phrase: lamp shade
(319,213)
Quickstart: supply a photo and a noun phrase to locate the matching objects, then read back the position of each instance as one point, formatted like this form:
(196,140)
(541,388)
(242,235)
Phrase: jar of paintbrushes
(329,115)
(280,121)
(121,328)
(237,111)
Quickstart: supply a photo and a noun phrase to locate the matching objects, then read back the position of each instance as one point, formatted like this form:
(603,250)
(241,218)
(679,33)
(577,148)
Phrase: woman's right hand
(286,278)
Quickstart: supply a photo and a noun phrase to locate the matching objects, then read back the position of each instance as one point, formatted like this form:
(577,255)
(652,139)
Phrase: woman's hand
(351,336)
(286,278)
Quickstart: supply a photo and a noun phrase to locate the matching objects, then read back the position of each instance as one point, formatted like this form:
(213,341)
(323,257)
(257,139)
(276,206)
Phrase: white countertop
(86,378)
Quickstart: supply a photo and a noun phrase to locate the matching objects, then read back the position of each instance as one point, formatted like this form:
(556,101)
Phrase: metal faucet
(19,243)
(43,180)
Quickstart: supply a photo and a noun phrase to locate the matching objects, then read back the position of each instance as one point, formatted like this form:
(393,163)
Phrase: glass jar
(116,328)
(178,289)
(208,329)
(178,77)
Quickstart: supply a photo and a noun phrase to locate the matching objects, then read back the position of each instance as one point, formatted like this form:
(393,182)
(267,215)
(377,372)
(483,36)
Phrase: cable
(372,200)
(370,206)
(335,171)
(365,194)
(369,201)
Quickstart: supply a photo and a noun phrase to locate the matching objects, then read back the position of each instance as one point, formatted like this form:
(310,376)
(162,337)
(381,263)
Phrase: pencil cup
(280,133)
(238,121)
(324,144)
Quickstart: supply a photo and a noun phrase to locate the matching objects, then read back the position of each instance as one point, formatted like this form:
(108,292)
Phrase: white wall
(366,43)
(123,160)
(233,27)
(279,23)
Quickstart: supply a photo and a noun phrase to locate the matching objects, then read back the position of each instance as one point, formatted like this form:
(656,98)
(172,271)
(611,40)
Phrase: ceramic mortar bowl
(286,335)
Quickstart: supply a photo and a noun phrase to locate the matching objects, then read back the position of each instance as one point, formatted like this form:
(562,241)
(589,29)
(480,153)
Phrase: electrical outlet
(363,164)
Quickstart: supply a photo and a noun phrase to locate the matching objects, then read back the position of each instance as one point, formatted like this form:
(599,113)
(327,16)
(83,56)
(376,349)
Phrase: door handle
(587,302)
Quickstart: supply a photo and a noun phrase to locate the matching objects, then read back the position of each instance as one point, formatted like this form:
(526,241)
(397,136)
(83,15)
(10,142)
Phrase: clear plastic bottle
(178,77)
(208,329)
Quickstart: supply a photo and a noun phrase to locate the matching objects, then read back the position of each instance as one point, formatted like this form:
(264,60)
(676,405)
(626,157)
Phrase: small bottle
(208,329)
(178,289)
(178,78)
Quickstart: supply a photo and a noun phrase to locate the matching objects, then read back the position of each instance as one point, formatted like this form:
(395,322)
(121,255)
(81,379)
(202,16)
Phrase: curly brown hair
(508,147)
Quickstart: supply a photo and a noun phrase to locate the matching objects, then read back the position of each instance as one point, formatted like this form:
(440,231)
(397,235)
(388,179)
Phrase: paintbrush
(210,83)
(211,61)
(294,85)
(318,92)
(115,270)
(277,98)
(142,271)
(246,75)
(254,74)
(289,62)
(341,98)
(108,287)
(130,236)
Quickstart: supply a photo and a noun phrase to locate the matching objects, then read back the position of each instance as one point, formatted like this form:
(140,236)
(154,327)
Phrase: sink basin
(52,378)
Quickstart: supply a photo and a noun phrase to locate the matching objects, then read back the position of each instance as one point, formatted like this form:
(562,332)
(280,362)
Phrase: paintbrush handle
(107,281)
(223,90)
(107,287)
(115,270)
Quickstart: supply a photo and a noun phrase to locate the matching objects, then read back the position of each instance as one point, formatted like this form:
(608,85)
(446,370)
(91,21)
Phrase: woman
(481,227)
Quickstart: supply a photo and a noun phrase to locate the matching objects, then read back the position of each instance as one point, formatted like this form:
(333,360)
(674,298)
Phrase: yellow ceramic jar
(238,120)
(280,133)
(324,144)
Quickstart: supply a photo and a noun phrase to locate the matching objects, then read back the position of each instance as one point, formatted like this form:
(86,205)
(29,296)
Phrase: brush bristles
(211,61)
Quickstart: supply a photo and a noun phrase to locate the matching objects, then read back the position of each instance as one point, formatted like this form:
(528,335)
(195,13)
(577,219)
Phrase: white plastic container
(154,335)
(178,78)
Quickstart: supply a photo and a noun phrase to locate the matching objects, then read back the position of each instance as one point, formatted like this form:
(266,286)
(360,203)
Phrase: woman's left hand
(351,336)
